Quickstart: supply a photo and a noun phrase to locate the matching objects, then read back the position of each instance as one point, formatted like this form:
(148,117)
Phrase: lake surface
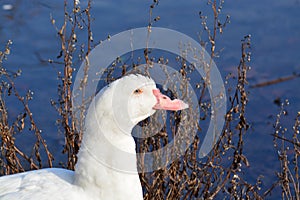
(275,34)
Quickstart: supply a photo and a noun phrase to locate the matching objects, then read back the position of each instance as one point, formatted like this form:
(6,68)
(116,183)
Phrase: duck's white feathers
(94,177)
(39,184)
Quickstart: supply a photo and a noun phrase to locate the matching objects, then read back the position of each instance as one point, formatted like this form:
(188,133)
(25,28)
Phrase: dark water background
(275,31)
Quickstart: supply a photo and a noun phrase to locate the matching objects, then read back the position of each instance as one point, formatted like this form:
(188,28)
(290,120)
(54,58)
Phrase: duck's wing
(40,184)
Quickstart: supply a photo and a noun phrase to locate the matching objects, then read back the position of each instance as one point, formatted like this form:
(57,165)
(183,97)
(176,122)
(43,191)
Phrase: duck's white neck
(106,164)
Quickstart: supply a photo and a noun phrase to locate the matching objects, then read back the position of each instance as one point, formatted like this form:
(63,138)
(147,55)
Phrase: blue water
(275,32)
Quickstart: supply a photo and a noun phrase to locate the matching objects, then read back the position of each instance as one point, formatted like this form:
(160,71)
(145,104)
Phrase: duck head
(140,98)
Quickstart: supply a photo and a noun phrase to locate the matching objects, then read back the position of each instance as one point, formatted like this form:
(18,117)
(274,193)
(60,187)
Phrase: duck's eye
(138,91)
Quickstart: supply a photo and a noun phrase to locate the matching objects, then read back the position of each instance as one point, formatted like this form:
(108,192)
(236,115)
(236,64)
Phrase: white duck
(117,109)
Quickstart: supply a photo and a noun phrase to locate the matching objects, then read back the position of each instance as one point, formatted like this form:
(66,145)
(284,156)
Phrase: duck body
(40,184)
(106,167)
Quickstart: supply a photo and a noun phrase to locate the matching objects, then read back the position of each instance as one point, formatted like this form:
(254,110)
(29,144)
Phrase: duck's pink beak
(165,103)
